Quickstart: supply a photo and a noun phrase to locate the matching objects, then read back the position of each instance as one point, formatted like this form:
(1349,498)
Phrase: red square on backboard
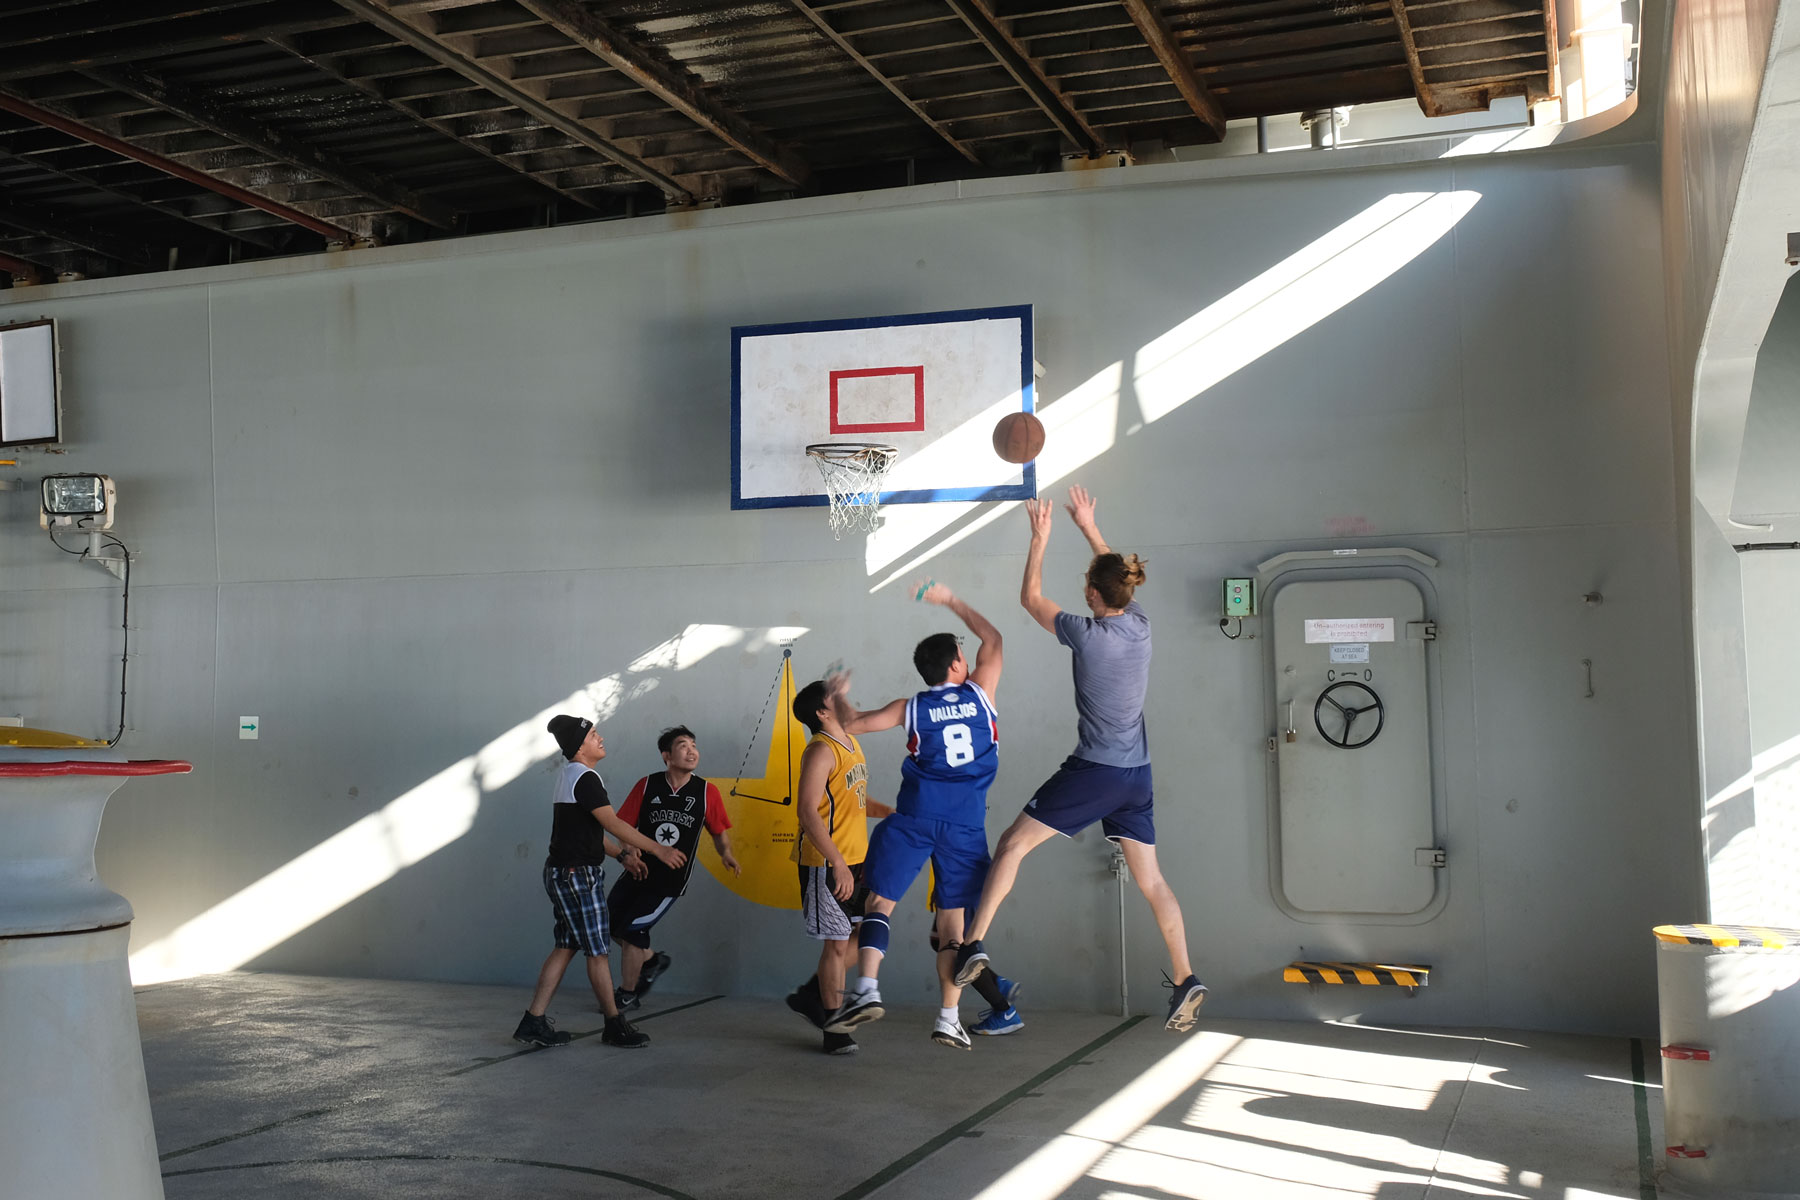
(916,425)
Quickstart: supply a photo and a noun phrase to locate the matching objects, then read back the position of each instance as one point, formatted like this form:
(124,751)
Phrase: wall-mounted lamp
(77,501)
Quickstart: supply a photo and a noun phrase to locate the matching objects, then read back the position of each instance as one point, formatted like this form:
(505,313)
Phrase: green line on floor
(962,1128)
(658,1188)
(1640,1104)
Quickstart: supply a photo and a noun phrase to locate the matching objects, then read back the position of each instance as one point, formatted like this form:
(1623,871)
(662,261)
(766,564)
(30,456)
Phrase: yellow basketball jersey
(844,805)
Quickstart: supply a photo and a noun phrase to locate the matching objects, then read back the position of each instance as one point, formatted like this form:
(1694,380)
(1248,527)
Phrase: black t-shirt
(575,835)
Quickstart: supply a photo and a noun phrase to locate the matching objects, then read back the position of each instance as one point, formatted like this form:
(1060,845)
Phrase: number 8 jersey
(952,752)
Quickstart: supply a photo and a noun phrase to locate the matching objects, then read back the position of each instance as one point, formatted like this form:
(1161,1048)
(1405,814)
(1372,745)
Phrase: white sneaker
(950,1033)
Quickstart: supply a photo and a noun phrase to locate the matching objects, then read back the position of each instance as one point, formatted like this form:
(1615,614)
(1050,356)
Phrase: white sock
(866,989)
(949,1014)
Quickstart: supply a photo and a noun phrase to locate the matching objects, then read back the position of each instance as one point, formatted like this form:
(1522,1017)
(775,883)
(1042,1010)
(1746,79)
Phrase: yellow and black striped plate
(1768,937)
(1369,974)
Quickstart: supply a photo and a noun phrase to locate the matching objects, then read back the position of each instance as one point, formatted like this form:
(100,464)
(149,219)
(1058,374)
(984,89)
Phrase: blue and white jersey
(952,752)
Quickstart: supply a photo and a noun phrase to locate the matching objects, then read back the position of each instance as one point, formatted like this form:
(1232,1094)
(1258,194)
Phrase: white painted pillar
(1729,998)
(74,1107)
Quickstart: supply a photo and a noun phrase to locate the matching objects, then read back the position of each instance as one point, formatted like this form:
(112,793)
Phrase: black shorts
(634,908)
(827,918)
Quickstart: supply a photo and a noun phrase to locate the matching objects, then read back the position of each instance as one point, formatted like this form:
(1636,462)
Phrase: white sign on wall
(1350,629)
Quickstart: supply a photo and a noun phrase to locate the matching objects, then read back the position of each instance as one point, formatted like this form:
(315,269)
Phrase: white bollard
(1730,1014)
(74,1108)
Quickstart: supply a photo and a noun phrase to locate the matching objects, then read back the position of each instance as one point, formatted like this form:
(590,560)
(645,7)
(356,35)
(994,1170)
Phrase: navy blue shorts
(901,844)
(1082,792)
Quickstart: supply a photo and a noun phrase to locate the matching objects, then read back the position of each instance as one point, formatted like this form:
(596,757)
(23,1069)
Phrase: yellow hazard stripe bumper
(1366,974)
(1766,937)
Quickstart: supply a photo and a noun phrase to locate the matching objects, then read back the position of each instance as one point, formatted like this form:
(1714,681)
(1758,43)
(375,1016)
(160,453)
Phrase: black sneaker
(540,1031)
(619,1032)
(1184,1003)
(857,1010)
(971,961)
(805,1001)
(651,971)
(839,1043)
(625,1000)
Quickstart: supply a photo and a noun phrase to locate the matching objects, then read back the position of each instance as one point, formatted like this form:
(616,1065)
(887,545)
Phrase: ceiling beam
(57,227)
(1174,60)
(987,27)
(23,273)
(672,86)
(843,43)
(175,210)
(174,36)
(190,105)
(62,121)
(1428,101)
(419,30)
(458,130)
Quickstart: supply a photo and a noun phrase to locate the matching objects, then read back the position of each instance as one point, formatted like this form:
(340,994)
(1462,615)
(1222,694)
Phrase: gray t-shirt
(1112,673)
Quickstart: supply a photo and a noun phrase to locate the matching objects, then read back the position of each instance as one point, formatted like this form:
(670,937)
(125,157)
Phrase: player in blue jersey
(952,751)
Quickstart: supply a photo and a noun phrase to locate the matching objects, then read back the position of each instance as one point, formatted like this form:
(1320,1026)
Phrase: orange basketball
(1018,437)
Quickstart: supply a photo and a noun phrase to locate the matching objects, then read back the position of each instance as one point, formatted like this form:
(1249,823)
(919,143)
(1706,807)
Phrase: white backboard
(930,384)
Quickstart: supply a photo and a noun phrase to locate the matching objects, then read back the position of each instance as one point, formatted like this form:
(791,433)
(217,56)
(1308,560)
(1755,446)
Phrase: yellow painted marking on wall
(763,828)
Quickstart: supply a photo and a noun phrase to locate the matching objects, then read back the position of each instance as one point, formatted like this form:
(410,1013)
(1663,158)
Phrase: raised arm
(986,671)
(1031,589)
(855,720)
(1081,510)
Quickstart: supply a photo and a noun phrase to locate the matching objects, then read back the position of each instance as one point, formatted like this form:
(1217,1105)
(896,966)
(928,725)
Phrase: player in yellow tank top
(831,800)
(844,804)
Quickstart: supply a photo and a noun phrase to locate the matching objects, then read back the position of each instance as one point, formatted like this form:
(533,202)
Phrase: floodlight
(77,501)
(30,412)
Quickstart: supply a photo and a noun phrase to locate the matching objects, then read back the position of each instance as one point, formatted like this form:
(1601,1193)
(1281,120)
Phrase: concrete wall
(400,504)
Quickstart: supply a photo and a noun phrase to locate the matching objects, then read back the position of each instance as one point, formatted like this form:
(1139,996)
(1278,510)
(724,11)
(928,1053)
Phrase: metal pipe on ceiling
(55,120)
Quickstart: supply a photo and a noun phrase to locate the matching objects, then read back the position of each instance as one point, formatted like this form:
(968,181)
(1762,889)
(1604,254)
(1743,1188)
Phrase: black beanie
(569,733)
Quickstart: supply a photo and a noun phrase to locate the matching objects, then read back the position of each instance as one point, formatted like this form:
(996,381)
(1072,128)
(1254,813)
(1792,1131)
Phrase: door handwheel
(1345,713)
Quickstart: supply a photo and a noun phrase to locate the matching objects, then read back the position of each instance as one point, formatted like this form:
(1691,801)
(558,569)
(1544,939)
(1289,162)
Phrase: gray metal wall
(397,504)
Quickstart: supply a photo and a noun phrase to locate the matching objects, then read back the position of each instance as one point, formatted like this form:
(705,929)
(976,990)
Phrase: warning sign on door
(1350,629)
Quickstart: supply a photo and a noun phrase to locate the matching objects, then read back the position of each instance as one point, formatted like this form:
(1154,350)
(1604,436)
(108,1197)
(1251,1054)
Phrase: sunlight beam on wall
(1292,296)
(1175,367)
(419,823)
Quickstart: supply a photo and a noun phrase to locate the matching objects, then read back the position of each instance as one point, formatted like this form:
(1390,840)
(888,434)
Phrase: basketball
(1018,437)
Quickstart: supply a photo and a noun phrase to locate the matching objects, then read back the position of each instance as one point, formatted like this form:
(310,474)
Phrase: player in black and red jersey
(669,807)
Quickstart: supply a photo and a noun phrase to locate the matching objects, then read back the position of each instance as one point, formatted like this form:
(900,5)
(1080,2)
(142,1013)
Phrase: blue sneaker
(995,1023)
(1009,989)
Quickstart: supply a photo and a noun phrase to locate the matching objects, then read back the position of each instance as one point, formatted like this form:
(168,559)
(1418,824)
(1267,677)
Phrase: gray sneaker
(858,1010)
(950,1033)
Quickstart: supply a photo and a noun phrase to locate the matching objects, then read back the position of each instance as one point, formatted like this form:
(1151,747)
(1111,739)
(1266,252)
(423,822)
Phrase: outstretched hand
(1040,512)
(935,593)
(670,857)
(1081,507)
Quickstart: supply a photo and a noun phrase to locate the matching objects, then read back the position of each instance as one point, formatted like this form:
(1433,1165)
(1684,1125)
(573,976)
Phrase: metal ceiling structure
(146,135)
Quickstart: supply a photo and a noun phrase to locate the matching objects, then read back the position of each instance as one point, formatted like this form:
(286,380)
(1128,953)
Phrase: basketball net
(853,473)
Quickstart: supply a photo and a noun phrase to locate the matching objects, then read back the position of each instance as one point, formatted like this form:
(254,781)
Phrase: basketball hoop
(853,473)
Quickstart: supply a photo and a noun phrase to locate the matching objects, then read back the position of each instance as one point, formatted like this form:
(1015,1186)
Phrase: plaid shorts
(578,898)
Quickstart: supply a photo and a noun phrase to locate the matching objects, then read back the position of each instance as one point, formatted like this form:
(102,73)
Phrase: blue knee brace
(874,935)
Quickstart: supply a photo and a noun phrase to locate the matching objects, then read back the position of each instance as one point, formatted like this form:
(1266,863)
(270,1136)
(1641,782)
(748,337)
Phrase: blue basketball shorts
(900,846)
(1082,792)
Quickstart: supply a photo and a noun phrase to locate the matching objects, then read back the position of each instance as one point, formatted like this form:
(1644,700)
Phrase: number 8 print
(959,745)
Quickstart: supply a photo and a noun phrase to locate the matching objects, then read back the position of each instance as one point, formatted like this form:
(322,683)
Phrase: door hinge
(1429,856)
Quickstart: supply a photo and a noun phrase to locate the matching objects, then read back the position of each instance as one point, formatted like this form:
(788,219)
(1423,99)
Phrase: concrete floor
(287,1086)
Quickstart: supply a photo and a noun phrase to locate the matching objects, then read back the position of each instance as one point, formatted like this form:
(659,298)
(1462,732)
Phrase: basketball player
(832,803)
(1107,779)
(952,752)
(670,807)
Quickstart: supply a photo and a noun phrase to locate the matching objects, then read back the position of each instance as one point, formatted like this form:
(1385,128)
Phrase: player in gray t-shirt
(1107,779)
